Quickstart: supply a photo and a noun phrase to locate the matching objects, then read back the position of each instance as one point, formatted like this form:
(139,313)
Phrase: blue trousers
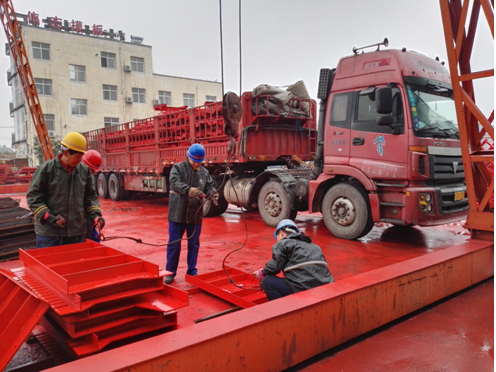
(275,287)
(176,232)
(48,241)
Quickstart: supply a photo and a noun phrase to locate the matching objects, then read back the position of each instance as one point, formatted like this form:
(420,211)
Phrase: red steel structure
(473,124)
(20,57)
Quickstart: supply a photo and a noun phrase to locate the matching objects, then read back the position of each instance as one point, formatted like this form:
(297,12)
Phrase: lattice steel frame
(459,45)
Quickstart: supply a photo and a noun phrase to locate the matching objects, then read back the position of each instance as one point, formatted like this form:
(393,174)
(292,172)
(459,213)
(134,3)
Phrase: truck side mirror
(385,120)
(384,100)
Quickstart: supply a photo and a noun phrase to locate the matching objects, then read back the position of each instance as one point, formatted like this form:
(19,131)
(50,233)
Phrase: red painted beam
(279,334)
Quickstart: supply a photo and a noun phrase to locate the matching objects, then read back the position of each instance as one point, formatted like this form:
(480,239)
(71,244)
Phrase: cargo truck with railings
(273,146)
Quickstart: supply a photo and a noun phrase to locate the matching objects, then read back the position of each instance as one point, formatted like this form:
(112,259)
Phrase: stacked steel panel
(16,229)
(99,295)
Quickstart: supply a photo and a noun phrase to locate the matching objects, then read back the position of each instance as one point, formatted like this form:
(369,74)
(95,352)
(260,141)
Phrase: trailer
(255,164)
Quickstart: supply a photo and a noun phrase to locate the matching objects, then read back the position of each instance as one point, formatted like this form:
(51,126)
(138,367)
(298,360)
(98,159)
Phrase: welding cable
(247,286)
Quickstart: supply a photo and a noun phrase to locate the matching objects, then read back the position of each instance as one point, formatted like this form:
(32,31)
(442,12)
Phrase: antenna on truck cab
(385,42)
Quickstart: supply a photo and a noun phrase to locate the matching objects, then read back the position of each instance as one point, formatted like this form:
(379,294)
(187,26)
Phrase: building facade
(86,82)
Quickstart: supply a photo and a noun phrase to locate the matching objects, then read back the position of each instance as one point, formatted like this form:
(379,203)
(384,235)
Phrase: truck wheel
(116,190)
(346,212)
(274,204)
(102,186)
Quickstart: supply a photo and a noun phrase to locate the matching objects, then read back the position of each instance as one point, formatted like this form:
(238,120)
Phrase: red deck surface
(466,320)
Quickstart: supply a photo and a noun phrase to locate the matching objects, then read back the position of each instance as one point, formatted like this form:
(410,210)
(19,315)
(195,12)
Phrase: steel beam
(279,334)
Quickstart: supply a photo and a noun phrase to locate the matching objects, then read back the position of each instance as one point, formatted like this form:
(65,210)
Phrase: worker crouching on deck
(301,261)
(60,195)
(190,183)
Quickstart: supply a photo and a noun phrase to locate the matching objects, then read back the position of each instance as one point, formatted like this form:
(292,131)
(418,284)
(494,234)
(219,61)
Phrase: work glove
(259,275)
(50,219)
(99,222)
(214,197)
(196,194)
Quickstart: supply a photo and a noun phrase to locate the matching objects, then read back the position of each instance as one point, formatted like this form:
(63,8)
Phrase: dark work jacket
(73,196)
(182,208)
(297,249)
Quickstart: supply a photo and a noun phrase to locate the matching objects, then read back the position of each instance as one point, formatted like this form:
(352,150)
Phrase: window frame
(163,94)
(136,63)
(110,122)
(49,121)
(210,100)
(79,104)
(346,123)
(41,49)
(188,98)
(108,57)
(139,92)
(77,73)
(43,83)
(109,92)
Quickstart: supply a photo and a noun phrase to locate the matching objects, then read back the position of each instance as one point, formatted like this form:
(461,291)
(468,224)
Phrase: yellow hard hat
(75,141)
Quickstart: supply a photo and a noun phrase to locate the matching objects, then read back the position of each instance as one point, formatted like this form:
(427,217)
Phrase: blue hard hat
(285,223)
(196,152)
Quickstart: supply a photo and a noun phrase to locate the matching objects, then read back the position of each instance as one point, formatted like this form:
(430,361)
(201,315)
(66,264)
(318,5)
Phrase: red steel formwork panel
(99,295)
(244,294)
(473,124)
(20,311)
(145,146)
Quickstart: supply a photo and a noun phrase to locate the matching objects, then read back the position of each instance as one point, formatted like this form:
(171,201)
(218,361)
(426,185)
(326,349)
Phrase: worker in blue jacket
(302,262)
(189,185)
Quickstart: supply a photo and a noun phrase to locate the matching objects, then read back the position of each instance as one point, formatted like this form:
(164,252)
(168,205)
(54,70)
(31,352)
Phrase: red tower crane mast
(20,57)
(473,124)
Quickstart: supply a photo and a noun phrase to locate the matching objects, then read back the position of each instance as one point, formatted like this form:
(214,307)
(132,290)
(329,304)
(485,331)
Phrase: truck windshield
(433,111)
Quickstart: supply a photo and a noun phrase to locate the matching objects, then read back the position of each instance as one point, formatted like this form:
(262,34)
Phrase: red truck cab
(389,145)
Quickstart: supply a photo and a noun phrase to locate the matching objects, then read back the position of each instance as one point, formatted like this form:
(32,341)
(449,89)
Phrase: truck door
(337,129)
(375,149)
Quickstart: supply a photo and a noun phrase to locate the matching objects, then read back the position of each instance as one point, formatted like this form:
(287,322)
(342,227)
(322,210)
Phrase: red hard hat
(92,159)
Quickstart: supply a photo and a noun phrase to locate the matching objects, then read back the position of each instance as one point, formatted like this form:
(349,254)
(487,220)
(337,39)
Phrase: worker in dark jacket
(189,185)
(301,261)
(60,195)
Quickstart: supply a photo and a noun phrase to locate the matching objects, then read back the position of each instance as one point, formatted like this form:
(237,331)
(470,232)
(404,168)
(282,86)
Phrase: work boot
(168,279)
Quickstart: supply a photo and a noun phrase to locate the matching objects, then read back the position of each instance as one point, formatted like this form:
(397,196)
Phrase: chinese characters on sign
(74,26)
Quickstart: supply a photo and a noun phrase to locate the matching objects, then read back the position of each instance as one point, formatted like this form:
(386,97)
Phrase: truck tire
(274,204)
(115,189)
(102,186)
(346,211)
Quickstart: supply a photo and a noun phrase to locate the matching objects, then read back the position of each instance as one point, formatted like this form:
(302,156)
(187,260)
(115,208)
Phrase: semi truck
(386,148)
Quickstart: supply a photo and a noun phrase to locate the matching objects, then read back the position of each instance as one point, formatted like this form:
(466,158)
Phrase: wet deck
(425,341)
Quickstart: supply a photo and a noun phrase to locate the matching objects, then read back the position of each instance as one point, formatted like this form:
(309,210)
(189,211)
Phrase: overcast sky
(283,41)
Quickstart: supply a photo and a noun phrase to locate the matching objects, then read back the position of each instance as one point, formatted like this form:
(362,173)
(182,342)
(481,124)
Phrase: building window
(138,95)
(49,121)
(110,92)
(108,122)
(77,73)
(108,60)
(43,86)
(211,98)
(41,50)
(165,97)
(188,99)
(138,64)
(79,106)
